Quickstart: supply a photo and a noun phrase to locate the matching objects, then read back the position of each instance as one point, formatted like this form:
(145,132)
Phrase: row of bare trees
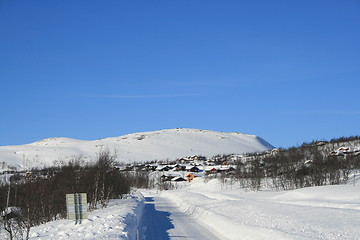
(296,167)
(38,197)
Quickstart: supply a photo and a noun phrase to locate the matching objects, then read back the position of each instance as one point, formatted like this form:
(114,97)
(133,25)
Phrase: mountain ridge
(136,147)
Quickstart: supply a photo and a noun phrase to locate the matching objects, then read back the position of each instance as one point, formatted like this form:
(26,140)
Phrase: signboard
(76,205)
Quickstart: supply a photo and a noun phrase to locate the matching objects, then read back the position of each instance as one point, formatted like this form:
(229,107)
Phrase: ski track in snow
(162,220)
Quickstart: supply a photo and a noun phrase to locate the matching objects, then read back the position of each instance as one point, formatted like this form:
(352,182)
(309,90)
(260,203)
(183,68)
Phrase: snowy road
(162,220)
(321,213)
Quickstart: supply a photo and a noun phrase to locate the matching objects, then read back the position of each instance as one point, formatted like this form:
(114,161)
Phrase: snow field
(221,223)
(229,212)
(330,212)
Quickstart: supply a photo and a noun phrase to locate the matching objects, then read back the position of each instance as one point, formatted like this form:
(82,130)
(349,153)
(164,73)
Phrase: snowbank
(118,221)
(329,212)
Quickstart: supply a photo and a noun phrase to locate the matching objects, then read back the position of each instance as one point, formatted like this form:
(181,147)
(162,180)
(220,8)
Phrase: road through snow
(163,221)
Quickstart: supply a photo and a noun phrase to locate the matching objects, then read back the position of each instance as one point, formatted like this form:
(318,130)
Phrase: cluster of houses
(189,172)
(185,169)
(341,151)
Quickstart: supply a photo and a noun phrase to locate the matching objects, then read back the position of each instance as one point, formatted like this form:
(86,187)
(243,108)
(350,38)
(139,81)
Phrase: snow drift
(326,212)
(118,221)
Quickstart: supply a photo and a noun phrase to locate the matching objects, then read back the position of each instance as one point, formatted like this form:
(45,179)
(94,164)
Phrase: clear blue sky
(287,71)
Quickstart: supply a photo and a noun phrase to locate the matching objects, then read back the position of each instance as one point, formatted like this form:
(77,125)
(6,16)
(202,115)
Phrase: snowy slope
(139,147)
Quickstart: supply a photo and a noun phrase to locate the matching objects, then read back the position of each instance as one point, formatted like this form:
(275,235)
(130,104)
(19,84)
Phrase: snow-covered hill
(139,147)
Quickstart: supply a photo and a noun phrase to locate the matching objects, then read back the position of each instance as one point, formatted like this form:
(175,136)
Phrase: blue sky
(287,71)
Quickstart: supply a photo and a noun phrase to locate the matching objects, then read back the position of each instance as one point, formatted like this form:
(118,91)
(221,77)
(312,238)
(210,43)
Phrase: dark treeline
(345,139)
(310,164)
(33,199)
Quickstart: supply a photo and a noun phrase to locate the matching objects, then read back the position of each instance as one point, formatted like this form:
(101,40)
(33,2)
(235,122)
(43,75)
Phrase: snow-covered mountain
(138,147)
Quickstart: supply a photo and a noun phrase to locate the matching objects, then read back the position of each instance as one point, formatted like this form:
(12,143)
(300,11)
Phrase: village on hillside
(188,168)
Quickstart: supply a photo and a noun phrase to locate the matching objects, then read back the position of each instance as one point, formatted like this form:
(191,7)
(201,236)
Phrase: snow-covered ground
(327,212)
(118,221)
(138,147)
(223,211)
